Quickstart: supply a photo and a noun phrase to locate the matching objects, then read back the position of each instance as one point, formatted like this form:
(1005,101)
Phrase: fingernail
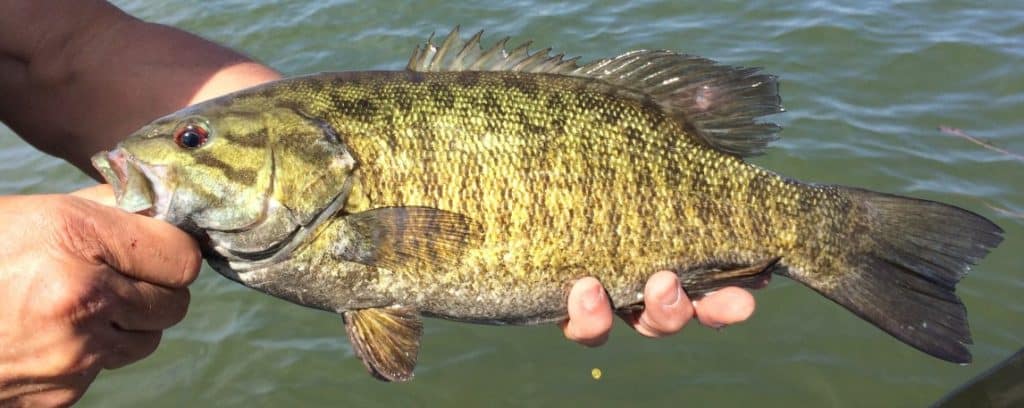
(701,297)
(593,298)
(671,298)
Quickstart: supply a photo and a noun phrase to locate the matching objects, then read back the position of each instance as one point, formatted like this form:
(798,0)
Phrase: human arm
(84,286)
(77,77)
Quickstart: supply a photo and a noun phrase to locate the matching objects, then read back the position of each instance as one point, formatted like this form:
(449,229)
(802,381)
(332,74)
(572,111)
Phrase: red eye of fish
(191,136)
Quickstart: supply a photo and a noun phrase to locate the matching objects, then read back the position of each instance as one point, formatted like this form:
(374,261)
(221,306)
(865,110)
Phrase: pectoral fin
(411,238)
(386,339)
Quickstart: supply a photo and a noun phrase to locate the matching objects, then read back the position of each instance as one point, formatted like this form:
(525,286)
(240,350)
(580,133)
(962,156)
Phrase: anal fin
(698,281)
(386,339)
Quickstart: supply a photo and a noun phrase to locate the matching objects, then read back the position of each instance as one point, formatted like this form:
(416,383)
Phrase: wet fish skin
(482,195)
(541,206)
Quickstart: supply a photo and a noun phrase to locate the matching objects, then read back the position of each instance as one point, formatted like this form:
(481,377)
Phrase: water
(866,84)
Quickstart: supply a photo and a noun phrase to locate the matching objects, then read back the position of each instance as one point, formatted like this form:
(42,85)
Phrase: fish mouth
(134,188)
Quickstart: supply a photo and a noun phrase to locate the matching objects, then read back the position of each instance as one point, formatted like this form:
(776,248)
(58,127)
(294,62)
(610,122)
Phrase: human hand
(666,309)
(83,287)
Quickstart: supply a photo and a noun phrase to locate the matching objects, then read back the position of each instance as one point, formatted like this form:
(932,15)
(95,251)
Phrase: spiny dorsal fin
(456,55)
(718,103)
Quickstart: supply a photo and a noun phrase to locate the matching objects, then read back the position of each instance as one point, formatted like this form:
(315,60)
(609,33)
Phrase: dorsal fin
(454,54)
(719,103)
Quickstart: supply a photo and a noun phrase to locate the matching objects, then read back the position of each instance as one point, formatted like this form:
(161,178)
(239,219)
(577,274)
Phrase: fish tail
(898,267)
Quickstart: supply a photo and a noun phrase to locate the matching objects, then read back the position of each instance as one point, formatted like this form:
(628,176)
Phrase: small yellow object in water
(596,373)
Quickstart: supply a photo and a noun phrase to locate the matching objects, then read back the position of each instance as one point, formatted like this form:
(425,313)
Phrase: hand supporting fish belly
(478,185)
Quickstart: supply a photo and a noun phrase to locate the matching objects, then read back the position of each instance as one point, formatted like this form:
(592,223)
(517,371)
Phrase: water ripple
(866,84)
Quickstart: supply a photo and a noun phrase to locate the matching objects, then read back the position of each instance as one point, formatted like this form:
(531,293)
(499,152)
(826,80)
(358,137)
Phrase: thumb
(100,193)
(137,246)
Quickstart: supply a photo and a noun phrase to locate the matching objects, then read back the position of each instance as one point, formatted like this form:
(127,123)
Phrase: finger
(666,306)
(137,246)
(61,391)
(127,347)
(727,306)
(100,193)
(590,314)
(143,306)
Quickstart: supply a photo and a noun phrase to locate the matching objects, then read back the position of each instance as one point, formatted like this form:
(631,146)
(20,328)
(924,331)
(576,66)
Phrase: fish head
(183,169)
(230,165)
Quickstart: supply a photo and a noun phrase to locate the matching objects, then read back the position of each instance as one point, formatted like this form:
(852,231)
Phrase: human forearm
(82,75)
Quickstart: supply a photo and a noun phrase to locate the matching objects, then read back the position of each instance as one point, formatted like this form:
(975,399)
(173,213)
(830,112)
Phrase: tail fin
(904,269)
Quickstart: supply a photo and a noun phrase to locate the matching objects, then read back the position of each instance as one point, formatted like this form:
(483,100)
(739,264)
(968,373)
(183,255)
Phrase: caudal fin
(903,270)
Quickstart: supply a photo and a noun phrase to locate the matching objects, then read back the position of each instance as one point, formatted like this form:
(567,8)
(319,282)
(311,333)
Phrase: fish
(479,183)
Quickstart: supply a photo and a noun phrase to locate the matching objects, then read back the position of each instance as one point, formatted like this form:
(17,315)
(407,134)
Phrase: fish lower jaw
(132,184)
(159,196)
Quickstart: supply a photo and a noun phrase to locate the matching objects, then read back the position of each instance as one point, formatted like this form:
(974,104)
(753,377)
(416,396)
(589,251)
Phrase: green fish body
(479,185)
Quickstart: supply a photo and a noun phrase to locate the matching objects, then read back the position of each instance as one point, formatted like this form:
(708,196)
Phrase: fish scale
(479,185)
(549,197)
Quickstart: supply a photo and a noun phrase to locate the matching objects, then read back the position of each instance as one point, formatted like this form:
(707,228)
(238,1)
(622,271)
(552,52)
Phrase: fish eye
(191,135)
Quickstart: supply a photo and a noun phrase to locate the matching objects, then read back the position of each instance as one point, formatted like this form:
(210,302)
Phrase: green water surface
(865,83)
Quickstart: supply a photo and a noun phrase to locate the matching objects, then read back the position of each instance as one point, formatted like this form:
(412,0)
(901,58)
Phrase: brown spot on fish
(443,94)
(414,76)
(254,140)
(652,110)
(557,125)
(238,175)
(588,101)
(528,87)
(555,102)
(339,80)
(467,79)
(391,137)
(316,85)
(634,136)
(491,103)
(400,96)
(359,109)
(330,135)
(268,92)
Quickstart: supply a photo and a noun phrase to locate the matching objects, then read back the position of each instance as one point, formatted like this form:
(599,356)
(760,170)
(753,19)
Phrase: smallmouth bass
(478,184)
